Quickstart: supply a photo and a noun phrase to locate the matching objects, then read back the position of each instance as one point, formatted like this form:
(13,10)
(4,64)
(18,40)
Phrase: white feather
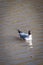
(29,40)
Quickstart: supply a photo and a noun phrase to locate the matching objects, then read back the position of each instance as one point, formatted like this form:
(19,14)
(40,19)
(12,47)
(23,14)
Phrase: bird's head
(29,32)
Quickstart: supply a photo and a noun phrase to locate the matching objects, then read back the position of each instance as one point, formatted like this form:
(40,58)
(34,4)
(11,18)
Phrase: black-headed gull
(26,36)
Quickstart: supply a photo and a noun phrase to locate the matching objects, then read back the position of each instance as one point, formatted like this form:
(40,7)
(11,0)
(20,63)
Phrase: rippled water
(24,16)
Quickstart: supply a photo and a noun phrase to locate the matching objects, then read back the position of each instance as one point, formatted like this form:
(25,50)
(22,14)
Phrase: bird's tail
(19,31)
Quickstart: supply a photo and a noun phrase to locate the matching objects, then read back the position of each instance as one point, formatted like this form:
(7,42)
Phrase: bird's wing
(23,34)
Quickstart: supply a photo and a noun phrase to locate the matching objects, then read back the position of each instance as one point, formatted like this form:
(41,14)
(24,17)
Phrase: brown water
(23,15)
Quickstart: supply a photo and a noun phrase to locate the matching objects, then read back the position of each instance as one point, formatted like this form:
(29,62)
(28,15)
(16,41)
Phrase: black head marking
(29,32)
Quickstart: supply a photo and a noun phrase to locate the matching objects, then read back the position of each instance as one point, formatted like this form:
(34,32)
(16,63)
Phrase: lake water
(24,15)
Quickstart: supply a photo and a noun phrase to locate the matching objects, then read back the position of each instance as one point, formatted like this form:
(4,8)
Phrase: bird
(26,36)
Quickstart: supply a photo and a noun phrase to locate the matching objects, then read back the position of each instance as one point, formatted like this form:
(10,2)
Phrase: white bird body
(29,39)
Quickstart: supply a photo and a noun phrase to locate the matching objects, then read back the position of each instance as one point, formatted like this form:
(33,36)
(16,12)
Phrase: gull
(26,36)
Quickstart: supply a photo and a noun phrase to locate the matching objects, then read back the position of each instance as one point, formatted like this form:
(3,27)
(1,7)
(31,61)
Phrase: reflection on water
(30,43)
